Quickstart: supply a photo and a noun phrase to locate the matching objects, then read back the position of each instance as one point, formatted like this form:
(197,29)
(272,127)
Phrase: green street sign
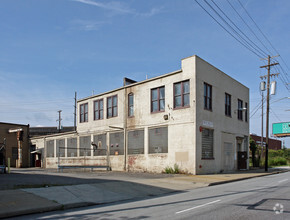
(281,128)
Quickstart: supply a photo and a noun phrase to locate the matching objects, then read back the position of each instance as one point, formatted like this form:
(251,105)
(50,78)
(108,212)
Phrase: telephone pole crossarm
(267,66)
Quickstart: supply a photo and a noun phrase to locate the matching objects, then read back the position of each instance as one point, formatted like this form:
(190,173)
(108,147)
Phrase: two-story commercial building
(196,117)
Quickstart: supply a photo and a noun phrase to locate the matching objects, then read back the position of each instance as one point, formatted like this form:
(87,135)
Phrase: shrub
(277,161)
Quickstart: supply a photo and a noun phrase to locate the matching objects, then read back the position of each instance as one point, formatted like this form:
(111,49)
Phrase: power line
(227,30)
(257,26)
(275,115)
(265,38)
(248,26)
(258,49)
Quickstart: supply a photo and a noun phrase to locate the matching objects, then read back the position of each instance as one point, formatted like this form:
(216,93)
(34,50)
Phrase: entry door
(242,160)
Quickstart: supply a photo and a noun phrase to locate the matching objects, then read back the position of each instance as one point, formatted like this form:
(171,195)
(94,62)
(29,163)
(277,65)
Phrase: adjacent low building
(196,117)
(14,144)
(274,144)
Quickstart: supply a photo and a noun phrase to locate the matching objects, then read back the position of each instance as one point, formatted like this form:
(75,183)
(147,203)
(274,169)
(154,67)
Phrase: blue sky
(52,48)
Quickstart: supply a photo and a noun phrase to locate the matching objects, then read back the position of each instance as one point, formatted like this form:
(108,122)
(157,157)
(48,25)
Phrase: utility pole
(268,67)
(262,125)
(59,120)
(75,112)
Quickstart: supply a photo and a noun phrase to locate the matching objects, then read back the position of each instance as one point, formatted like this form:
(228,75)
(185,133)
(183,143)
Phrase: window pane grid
(240,109)
(181,94)
(228,105)
(98,111)
(158,99)
(112,106)
(84,112)
(207,96)
(131,105)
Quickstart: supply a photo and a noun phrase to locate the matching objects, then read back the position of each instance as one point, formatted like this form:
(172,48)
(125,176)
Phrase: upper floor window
(240,109)
(98,109)
(131,105)
(112,106)
(207,96)
(84,112)
(246,111)
(158,99)
(228,107)
(181,94)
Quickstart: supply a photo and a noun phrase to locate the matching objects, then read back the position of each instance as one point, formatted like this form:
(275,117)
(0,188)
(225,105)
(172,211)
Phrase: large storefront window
(158,140)
(136,142)
(117,143)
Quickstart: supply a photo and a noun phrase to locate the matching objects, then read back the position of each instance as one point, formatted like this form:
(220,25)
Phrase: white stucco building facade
(196,117)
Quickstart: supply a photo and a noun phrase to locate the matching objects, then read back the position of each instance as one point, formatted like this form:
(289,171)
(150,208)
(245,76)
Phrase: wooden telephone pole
(268,66)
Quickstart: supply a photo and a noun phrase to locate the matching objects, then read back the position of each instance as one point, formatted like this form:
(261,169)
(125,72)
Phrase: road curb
(31,211)
(245,178)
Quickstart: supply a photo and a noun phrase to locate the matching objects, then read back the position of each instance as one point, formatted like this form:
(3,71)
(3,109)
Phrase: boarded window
(158,140)
(85,146)
(100,141)
(72,147)
(207,144)
(136,142)
(228,156)
(117,143)
(50,148)
(60,147)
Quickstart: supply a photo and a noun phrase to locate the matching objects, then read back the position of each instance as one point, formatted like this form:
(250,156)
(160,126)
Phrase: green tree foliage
(253,148)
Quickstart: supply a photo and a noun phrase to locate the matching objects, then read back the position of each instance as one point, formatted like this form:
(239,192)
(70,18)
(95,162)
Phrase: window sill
(157,112)
(210,110)
(182,107)
(112,117)
(207,158)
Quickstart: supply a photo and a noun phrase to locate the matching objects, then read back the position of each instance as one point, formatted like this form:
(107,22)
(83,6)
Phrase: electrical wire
(248,26)
(227,30)
(252,44)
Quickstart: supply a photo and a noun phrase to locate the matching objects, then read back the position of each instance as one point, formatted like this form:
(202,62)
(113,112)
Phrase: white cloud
(87,25)
(153,12)
(113,6)
(119,7)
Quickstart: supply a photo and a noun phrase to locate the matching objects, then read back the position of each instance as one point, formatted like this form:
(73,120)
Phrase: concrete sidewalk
(34,200)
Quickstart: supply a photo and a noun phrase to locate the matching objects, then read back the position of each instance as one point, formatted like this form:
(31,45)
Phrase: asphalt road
(258,198)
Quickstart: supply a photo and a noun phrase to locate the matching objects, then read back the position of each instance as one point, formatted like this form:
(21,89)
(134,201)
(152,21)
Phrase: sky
(50,49)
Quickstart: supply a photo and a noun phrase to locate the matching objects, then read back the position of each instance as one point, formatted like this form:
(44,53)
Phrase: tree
(253,148)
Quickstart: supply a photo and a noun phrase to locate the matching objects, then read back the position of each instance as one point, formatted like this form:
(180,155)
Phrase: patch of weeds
(174,170)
